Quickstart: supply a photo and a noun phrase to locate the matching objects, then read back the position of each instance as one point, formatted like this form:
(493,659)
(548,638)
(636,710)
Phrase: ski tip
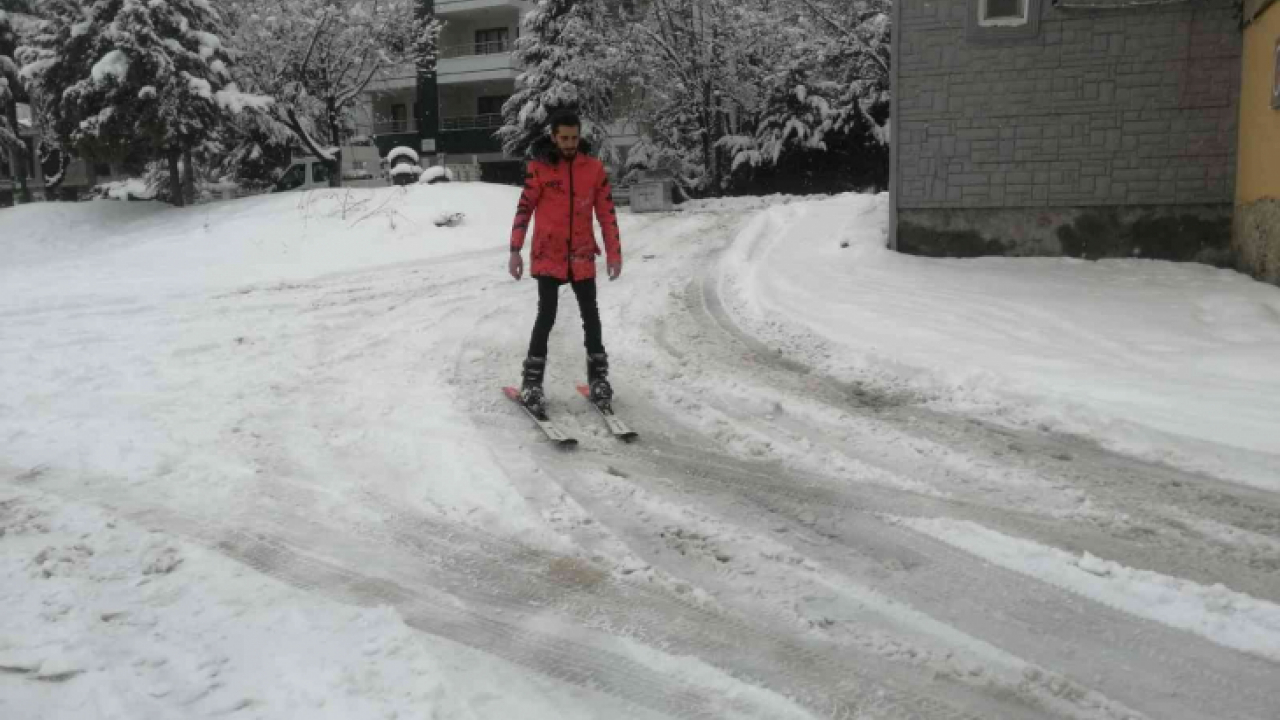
(511,393)
(567,443)
(584,391)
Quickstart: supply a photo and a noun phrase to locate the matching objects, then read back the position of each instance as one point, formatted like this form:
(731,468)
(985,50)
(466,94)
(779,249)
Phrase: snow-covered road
(254,461)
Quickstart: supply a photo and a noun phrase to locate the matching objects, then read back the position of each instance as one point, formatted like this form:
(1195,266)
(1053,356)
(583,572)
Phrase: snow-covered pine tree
(731,87)
(790,106)
(134,76)
(426,42)
(316,57)
(10,142)
(687,56)
(567,60)
(854,46)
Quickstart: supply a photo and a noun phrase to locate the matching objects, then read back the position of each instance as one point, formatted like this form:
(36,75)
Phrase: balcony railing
(474,122)
(495,47)
(395,127)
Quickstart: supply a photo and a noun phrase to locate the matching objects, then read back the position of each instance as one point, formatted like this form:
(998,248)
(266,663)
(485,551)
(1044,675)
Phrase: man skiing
(562,188)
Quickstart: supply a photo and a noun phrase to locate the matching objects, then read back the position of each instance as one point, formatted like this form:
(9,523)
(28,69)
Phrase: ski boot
(531,385)
(598,379)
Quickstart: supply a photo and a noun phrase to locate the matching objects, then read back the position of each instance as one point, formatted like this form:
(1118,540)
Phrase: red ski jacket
(559,198)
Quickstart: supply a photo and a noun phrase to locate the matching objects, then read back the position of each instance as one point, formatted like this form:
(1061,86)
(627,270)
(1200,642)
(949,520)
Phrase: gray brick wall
(1102,107)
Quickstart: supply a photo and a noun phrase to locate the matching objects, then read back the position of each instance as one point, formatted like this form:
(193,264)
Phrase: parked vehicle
(361,167)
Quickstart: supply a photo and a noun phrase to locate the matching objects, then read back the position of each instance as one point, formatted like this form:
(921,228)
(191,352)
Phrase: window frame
(480,109)
(299,172)
(505,39)
(983,31)
(1004,20)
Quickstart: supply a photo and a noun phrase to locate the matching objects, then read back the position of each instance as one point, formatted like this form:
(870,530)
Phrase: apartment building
(450,117)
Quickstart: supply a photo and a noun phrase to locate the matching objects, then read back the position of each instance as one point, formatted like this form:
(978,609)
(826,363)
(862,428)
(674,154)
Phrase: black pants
(548,303)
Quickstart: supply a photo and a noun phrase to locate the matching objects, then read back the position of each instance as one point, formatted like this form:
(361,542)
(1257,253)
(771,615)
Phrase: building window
(294,178)
(399,118)
(490,104)
(997,21)
(1002,13)
(493,40)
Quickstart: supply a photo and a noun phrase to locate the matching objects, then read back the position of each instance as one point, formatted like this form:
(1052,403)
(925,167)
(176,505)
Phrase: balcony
(497,47)
(397,77)
(395,127)
(472,122)
(473,66)
(445,8)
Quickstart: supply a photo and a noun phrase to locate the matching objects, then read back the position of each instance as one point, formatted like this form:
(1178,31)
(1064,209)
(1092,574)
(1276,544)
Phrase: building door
(399,118)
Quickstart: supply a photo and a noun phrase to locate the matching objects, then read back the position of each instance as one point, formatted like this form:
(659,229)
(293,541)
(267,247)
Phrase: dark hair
(564,119)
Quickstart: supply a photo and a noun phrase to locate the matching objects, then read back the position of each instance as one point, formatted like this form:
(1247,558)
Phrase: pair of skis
(553,432)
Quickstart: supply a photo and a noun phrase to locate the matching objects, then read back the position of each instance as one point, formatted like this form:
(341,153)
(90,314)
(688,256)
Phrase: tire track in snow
(763,365)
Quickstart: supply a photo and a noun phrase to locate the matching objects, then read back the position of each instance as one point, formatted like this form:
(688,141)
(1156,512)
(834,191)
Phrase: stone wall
(1113,107)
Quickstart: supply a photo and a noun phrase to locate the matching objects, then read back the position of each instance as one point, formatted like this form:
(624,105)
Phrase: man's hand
(615,269)
(515,266)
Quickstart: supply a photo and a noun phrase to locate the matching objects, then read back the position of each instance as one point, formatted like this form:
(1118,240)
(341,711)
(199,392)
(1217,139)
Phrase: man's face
(566,139)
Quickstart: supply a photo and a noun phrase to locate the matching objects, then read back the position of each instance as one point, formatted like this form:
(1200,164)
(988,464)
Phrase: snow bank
(123,411)
(130,189)
(260,239)
(1172,362)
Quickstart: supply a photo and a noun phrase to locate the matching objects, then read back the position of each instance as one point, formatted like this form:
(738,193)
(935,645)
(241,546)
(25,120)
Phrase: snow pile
(402,152)
(261,239)
(130,189)
(1216,613)
(745,203)
(406,169)
(448,219)
(435,174)
(1171,362)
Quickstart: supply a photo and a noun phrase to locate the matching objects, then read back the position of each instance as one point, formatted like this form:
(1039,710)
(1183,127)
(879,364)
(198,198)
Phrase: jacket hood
(545,150)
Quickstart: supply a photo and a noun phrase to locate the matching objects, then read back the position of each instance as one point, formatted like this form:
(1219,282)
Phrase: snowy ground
(254,462)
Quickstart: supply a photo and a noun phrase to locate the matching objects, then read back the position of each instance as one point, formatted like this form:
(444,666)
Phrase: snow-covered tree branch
(316,58)
(125,76)
(571,63)
(10,86)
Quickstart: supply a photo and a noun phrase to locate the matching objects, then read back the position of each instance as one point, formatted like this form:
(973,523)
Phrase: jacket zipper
(569,248)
